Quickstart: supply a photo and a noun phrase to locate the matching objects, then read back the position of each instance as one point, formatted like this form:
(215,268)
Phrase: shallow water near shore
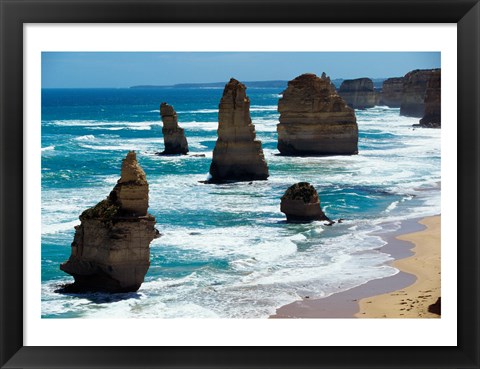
(226,250)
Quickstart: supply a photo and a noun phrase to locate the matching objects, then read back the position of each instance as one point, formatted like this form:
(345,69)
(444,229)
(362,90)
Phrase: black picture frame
(15,13)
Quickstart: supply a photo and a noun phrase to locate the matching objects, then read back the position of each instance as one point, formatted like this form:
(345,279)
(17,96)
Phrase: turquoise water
(226,250)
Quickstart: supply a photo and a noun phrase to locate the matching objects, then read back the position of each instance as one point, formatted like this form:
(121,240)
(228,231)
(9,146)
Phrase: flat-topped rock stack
(358,93)
(173,136)
(111,247)
(414,89)
(432,115)
(315,120)
(392,92)
(301,203)
(237,155)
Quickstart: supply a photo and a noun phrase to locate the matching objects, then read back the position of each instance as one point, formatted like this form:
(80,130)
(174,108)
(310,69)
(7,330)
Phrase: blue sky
(125,69)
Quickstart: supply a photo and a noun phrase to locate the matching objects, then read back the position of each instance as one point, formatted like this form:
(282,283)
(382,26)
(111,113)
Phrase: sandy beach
(419,299)
(408,294)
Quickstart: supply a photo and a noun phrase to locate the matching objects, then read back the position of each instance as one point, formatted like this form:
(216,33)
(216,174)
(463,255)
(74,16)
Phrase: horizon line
(201,83)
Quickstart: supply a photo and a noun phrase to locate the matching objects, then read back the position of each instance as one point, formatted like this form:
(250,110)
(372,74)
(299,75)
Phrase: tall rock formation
(432,115)
(315,120)
(358,93)
(173,135)
(237,156)
(111,246)
(301,203)
(414,89)
(392,92)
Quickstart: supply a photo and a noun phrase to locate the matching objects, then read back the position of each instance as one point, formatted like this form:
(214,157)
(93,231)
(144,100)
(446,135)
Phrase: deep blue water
(226,250)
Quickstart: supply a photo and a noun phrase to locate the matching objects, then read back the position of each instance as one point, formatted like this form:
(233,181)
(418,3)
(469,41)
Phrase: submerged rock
(301,203)
(173,136)
(315,120)
(358,93)
(237,156)
(111,247)
(392,92)
(432,116)
(414,89)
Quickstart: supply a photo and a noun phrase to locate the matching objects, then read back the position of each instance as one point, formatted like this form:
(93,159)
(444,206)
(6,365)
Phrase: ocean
(226,250)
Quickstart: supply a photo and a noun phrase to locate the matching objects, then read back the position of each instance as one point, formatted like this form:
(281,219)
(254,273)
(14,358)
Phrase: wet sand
(421,299)
(390,290)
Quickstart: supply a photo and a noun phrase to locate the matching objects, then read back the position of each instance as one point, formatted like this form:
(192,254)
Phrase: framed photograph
(225,184)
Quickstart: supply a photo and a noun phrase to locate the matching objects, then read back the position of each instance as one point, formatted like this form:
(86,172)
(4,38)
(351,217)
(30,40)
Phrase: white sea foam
(392,206)
(71,123)
(61,207)
(263,108)
(105,125)
(59,227)
(255,108)
(48,148)
(119,144)
(199,126)
(87,138)
(111,180)
(199,111)
(110,148)
(145,127)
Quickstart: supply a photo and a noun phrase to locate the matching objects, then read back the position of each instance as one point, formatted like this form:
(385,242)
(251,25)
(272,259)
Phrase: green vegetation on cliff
(104,211)
(301,191)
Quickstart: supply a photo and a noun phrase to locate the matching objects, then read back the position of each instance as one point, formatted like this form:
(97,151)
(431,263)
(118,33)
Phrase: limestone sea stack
(315,120)
(111,247)
(173,136)
(358,93)
(432,115)
(237,155)
(392,92)
(301,203)
(414,89)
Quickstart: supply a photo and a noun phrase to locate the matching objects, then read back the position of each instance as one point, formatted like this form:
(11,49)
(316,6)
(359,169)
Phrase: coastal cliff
(237,155)
(392,92)
(111,247)
(315,120)
(173,136)
(358,93)
(432,115)
(414,89)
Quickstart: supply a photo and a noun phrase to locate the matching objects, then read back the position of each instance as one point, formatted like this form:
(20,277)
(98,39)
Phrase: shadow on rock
(95,296)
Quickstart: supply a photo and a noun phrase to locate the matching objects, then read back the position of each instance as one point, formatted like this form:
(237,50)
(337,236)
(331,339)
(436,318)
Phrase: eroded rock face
(414,89)
(358,93)
(173,136)
(432,115)
(237,156)
(315,120)
(111,246)
(301,203)
(392,92)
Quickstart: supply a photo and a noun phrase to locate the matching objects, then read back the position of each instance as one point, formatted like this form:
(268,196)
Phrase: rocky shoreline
(111,247)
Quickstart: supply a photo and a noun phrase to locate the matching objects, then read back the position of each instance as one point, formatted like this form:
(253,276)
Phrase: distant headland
(258,84)
(377,82)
